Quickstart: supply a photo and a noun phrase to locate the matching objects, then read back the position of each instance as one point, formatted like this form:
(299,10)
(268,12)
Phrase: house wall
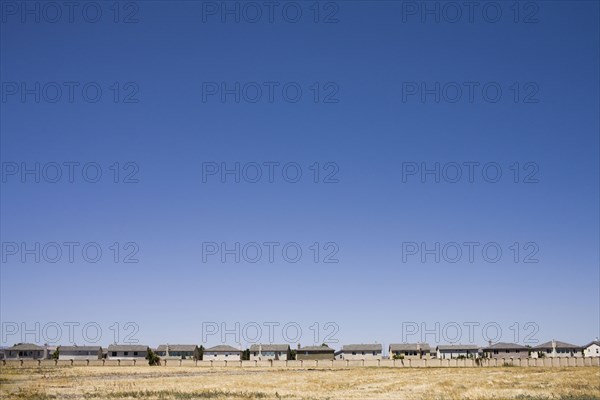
(410,355)
(592,351)
(314,356)
(559,353)
(509,354)
(177,355)
(130,355)
(362,355)
(281,355)
(222,356)
(455,354)
(24,354)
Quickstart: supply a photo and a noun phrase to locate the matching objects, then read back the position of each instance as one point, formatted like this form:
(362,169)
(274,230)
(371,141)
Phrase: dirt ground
(351,383)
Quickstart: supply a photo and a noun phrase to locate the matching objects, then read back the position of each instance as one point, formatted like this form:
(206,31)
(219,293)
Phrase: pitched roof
(25,346)
(127,347)
(457,347)
(596,342)
(559,345)
(269,347)
(361,347)
(177,347)
(222,348)
(79,348)
(506,346)
(316,349)
(409,346)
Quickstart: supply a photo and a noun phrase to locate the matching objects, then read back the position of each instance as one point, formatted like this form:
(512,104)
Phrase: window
(135,353)
(374,353)
(353,353)
(114,354)
(125,353)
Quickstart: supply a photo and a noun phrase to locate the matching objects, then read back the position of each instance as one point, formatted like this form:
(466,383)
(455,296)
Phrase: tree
(246,354)
(152,357)
(55,354)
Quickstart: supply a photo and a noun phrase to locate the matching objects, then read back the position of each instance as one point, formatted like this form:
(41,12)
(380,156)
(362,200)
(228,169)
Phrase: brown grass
(351,383)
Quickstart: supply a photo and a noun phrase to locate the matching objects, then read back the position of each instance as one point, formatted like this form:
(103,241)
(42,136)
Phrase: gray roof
(269,347)
(506,346)
(409,346)
(177,347)
(127,347)
(316,349)
(596,342)
(79,348)
(25,346)
(361,347)
(457,347)
(223,348)
(559,345)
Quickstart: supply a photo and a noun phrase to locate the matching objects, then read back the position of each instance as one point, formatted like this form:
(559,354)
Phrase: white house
(410,350)
(269,352)
(79,352)
(222,353)
(26,351)
(458,351)
(592,349)
(127,352)
(555,348)
(361,352)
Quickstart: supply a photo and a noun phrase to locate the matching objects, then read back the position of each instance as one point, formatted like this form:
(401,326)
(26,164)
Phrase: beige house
(315,353)
(269,352)
(222,353)
(127,352)
(79,352)
(555,348)
(178,351)
(361,352)
(506,350)
(409,350)
(26,351)
(592,349)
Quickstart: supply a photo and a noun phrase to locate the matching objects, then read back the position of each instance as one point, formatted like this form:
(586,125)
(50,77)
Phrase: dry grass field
(352,383)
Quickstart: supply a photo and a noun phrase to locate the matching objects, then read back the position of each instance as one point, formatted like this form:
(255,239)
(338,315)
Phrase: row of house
(552,349)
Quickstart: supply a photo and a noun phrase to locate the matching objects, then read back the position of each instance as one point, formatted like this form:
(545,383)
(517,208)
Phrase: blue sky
(364,60)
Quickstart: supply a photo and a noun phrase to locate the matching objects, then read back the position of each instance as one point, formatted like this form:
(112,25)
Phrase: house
(361,352)
(26,351)
(409,350)
(269,352)
(178,351)
(222,353)
(315,353)
(506,350)
(127,352)
(592,349)
(457,351)
(79,352)
(555,348)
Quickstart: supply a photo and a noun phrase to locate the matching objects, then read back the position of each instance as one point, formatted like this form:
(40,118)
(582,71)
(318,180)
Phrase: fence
(329,364)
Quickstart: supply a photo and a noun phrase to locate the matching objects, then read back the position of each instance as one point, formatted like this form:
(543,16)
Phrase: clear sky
(387,104)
